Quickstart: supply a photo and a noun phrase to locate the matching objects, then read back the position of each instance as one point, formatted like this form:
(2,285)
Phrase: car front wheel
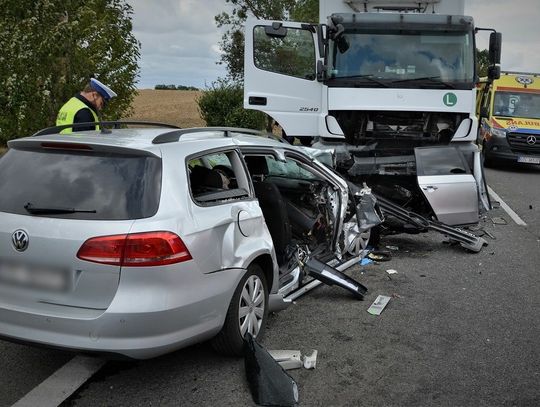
(247,312)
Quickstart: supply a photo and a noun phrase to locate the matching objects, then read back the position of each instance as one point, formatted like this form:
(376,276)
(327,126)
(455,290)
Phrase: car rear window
(79,185)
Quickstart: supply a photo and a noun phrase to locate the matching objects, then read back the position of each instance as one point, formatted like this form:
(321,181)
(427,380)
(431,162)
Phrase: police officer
(84,107)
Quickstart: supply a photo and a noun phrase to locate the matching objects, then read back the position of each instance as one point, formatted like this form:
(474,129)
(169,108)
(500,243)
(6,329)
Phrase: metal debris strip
(378,305)
(466,239)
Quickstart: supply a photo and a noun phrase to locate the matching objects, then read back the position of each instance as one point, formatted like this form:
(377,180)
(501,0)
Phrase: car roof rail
(174,136)
(103,126)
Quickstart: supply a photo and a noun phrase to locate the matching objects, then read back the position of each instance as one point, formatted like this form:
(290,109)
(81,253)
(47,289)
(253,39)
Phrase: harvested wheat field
(167,106)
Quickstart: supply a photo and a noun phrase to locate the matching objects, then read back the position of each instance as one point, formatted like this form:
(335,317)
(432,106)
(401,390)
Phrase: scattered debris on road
(310,361)
(287,359)
(378,305)
(293,359)
(366,262)
(415,221)
(379,256)
(497,220)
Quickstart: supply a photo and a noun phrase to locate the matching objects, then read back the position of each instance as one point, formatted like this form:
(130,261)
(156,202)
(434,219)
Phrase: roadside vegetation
(72,41)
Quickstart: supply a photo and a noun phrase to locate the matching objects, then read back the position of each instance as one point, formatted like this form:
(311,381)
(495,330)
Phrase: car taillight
(135,250)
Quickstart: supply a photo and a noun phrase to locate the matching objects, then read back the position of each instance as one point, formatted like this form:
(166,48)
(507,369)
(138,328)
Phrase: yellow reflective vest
(67,113)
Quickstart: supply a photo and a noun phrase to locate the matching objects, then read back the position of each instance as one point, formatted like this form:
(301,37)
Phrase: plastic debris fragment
(378,305)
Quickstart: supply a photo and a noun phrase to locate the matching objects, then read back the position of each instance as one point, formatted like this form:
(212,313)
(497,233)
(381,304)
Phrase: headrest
(257,165)
(213,179)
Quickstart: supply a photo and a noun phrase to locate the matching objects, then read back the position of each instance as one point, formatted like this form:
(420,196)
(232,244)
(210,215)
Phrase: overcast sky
(179,38)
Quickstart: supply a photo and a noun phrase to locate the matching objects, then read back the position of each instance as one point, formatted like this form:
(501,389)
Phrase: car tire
(248,312)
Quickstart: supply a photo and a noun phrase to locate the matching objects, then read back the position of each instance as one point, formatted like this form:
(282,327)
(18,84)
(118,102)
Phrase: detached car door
(280,74)
(445,179)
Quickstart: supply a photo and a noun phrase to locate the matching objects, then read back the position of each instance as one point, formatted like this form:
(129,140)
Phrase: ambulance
(509,111)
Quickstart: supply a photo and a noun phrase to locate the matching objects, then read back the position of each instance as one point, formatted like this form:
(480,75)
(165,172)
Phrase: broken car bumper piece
(269,383)
(331,276)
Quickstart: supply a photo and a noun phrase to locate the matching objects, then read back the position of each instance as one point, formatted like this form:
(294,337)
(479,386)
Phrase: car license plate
(528,160)
(34,277)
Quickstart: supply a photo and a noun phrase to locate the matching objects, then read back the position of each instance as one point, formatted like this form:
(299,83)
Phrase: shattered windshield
(402,59)
(517,104)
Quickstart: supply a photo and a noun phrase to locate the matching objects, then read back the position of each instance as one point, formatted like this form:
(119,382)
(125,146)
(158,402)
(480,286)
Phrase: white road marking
(62,383)
(515,217)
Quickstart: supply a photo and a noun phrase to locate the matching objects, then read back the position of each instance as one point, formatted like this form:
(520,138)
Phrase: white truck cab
(390,86)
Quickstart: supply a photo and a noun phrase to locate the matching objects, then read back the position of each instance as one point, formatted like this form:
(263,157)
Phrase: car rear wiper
(37,210)
(433,79)
(368,77)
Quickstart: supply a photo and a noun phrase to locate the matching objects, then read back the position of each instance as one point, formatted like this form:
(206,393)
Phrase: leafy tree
(50,49)
(306,11)
(232,43)
(482,62)
(221,105)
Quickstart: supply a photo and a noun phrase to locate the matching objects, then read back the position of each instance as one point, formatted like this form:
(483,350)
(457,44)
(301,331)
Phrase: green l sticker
(450,99)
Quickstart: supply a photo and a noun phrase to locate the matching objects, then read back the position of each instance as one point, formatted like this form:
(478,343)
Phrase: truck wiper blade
(36,210)
(368,77)
(433,79)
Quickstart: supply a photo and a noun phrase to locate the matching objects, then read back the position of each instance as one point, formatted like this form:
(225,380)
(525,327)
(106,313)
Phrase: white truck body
(329,7)
(381,80)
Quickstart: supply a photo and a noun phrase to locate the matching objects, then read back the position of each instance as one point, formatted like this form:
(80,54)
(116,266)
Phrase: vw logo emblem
(20,240)
(531,140)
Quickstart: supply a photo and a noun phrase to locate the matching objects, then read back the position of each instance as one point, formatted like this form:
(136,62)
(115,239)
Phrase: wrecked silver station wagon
(140,241)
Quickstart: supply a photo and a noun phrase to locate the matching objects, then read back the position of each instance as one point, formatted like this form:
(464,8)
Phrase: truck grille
(523,142)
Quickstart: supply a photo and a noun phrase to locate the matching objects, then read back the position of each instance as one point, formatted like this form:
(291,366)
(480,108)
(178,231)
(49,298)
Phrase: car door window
(441,160)
(287,169)
(216,178)
(291,54)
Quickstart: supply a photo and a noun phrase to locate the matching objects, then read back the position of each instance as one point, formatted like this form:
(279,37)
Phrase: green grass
(2,150)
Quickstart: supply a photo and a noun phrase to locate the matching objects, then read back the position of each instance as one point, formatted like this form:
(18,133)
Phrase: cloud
(519,23)
(180,39)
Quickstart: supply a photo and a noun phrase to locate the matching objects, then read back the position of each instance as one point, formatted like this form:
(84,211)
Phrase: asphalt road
(462,329)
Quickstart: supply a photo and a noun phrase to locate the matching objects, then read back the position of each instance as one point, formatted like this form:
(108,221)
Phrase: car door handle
(430,188)
(257,100)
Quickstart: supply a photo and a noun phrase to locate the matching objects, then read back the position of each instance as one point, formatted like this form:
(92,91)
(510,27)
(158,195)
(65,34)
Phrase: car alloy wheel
(252,305)
(247,312)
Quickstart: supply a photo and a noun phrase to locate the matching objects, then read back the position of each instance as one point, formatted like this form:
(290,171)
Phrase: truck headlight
(498,132)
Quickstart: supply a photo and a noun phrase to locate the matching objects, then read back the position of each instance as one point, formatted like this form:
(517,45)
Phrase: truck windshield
(517,104)
(403,59)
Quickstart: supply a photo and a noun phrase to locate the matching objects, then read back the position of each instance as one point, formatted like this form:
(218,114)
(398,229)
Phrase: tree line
(174,87)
